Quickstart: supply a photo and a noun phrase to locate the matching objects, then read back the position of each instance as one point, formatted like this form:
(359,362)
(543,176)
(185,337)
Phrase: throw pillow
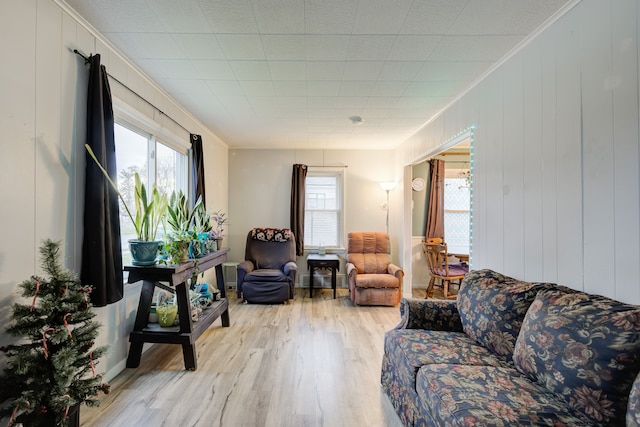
(492,307)
(583,347)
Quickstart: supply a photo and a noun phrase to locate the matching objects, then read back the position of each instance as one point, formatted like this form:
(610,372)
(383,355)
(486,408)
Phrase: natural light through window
(323,209)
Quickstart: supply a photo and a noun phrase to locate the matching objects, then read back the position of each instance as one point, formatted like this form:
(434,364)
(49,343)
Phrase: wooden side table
(327,261)
(188,331)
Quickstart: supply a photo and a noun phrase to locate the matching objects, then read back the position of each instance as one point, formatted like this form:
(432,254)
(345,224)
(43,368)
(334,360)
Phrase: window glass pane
(323,214)
(131,157)
(457,203)
(166,168)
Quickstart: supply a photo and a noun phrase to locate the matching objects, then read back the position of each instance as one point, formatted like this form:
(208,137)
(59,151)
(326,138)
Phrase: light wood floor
(311,362)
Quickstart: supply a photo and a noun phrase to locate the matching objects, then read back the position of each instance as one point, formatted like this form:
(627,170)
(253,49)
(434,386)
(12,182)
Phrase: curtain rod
(87,60)
(328,166)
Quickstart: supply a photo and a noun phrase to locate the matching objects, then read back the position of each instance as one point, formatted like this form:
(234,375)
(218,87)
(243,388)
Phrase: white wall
(556,160)
(43,94)
(260,192)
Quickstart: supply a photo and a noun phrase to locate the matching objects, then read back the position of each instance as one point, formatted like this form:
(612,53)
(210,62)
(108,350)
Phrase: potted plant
(217,232)
(179,219)
(149,212)
(51,371)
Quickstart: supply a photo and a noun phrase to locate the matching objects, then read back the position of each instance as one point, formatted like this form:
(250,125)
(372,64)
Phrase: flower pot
(144,253)
(167,315)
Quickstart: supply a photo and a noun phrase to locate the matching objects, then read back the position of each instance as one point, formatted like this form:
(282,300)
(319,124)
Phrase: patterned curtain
(297,205)
(101,251)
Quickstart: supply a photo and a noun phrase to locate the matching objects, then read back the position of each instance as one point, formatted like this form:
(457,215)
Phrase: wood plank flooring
(311,362)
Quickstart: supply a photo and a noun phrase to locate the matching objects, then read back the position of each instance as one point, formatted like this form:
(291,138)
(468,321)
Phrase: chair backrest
(437,258)
(369,251)
(269,254)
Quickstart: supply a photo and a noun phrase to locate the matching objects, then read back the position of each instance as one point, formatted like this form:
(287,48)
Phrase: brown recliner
(373,279)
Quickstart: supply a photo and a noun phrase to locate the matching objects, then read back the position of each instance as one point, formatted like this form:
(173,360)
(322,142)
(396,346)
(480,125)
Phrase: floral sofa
(510,353)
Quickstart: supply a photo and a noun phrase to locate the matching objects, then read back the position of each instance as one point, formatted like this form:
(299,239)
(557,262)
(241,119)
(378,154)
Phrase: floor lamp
(387,186)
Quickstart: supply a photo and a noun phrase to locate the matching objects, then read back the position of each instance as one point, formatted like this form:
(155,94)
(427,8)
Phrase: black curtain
(101,248)
(198,167)
(297,205)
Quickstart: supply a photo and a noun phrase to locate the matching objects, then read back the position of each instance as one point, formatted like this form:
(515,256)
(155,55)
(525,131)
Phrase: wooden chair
(439,268)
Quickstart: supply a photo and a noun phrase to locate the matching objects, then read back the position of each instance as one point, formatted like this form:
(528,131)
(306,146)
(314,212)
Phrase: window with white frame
(457,210)
(324,213)
(142,152)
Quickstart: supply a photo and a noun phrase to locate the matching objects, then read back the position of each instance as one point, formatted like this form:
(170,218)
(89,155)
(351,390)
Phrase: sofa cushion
(410,349)
(583,347)
(492,307)
(633,407)
(462,395)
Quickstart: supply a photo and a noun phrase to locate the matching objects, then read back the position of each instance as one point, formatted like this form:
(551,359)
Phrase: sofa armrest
(290,269)
(431,314)
(395,271)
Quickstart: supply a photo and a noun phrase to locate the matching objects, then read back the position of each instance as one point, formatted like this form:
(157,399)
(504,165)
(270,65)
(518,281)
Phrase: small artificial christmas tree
(52,367)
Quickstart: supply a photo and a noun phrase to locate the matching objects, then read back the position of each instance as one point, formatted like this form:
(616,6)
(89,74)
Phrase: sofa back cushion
(492,307)
(585,348)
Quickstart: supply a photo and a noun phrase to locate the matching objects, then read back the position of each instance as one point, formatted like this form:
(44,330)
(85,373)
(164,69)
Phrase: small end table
(327,261)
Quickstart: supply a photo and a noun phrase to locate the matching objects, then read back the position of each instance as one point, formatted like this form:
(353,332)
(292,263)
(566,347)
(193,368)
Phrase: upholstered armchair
(373,279)
(268,273)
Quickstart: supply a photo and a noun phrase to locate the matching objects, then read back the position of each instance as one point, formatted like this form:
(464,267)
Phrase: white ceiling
(290,73)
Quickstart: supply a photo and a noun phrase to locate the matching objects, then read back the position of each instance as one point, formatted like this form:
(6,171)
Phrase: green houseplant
(180,218)
(149,212)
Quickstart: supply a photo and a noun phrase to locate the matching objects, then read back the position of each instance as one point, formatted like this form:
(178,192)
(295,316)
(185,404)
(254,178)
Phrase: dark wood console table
(188,331)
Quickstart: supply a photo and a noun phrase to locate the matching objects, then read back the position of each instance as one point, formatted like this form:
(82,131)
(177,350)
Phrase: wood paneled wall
(556,193)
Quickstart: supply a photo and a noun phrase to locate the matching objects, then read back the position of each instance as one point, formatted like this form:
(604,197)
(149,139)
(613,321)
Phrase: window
(324,215)
(457,203)
(155,162)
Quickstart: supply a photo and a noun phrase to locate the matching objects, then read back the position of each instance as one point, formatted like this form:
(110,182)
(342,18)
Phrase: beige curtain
(435,214)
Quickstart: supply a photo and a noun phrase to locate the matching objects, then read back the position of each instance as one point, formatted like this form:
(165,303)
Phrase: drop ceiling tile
(383,88)
(290,88)
(330,16)
(292,102)
(257,88)
(323,88)
(402,71)
(119,15)
(451,70)
(503,16)
(413,47)
(225,87)
(358,102)
(474,48)
(147,45)
(288,70)
(226,16)
(250,70)
(423,102)
(180,16)
(381,101)
(327,47)
(369,47)
(322,101)
(320,113)
(362,70)
(431,89)
(241,46)
(325,70)
(236,104)
(199,46)
(284,47)
(356,88)
(279,16)
(168,68)
(381,16)
(375,113)
(214,70)
(432,17)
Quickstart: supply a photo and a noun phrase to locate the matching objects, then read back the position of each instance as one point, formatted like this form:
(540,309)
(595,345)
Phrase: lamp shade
(387,185)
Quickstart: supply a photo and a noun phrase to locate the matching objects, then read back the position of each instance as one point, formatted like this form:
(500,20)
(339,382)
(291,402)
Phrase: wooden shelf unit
(187,332)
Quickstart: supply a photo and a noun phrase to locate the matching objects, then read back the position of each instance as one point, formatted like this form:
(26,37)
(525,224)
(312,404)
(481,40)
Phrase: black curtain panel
(198,167)
(101,248)
(297,205)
